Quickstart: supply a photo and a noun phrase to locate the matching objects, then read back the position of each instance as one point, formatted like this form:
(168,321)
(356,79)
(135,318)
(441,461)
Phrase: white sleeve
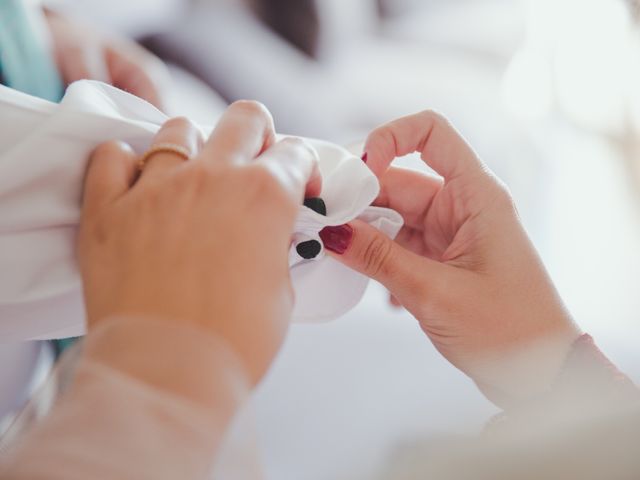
(44,149)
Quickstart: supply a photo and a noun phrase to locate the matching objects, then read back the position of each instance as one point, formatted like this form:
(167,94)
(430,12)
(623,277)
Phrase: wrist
(251,352)
(177,359)
(528,369)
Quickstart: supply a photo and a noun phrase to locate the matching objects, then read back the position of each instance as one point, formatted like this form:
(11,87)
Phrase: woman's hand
(202,242)
(463,264)
(81,53)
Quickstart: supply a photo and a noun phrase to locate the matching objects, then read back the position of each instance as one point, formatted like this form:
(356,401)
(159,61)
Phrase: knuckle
(384,138)
(261,181)
(266,187)
(179,122)
(204,173)
(196,178)
(376,256)
(252,108)
(295,142)
(384,133)
(108,149)
(155,192)
(259,177)
(301,147)
(503,197)
(436,118)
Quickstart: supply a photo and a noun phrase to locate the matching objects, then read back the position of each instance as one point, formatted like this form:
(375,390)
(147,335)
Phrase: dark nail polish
(364,157)
(337,239)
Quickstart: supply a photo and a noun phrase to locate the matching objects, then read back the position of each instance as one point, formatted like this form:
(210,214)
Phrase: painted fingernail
(337,239)
(364,157)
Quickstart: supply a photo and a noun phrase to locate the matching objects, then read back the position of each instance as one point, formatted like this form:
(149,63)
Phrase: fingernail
(364,157)
(337,239)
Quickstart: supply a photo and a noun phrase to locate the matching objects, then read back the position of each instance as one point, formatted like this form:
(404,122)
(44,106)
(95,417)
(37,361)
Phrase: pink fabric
(150,400)
(587,371)
(587,385)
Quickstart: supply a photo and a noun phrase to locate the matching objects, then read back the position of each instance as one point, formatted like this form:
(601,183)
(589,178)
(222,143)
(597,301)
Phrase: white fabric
(23,368)
(44,149)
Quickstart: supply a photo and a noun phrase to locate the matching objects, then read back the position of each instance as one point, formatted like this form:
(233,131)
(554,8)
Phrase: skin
(202,242)
(83,53)
(172,253)
(463,264)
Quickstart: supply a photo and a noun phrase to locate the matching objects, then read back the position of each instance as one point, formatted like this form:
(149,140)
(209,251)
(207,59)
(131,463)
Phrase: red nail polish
(337,239)
(364,157)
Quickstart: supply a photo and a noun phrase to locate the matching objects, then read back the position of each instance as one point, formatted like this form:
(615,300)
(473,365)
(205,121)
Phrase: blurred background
(548,92)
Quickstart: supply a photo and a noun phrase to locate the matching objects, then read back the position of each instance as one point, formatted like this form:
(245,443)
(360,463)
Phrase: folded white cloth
(44,148)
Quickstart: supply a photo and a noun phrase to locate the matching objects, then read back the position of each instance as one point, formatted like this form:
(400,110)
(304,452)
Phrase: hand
(202,242)
(463,264)
(81,53)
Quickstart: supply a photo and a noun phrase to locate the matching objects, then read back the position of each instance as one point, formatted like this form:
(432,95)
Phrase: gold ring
(182,152)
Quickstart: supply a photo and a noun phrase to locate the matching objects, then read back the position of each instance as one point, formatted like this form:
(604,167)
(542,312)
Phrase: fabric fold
(43,157)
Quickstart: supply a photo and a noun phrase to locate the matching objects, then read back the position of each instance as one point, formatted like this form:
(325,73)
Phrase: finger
(408,192)
(74,65)
(428,133)
(177,131)
(111,172)
(294,164)
(138,73)
(394,301)
(244,131)
(407,276)
(314,185)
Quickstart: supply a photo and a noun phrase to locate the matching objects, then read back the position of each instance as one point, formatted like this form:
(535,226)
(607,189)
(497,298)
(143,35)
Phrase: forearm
(149,400)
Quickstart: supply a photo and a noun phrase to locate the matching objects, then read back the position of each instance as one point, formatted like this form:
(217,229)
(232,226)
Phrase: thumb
(411,278)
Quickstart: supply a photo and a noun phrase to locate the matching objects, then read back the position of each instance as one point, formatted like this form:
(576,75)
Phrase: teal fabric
(25,63)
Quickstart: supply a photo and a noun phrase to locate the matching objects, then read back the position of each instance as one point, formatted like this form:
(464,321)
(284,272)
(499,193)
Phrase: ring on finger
(179,150)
